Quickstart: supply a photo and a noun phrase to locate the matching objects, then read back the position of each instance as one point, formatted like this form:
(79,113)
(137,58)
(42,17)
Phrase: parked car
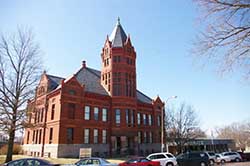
(30,162)
(94,161)
(212,157)
(140,161)
(245,156)
(193,159)
(165,159)
(234,156)
(222,159)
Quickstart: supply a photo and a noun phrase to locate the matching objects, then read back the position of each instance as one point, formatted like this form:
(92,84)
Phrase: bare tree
(182,126)
(226,39)
(239,132)
(20,66)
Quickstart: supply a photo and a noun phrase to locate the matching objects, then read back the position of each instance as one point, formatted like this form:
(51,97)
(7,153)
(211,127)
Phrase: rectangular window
(144,119)
(104,114)
(95,136)
(42,114)
(86,136)
(52,112)
(96,113)
(127,116)
(87,113)
(138,118)
(38,116)
(150,137)
(33,137)
(145,137)
(50,135)
(117,116)
(28,137)
(71,110)
(117,89)
(36,137)
(139,137)
(70,135)
(40,136)
(150,120)
(104,136)
(132,117)
(159,120)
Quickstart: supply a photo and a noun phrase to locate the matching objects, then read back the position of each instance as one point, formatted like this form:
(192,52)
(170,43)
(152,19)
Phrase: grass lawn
(58,160)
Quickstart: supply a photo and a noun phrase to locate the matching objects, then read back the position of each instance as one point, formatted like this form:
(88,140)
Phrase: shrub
(16,150)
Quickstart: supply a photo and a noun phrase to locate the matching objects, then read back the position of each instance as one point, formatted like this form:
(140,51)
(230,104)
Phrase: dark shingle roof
(143,98)
(118,36)
(90,78)
(54,81)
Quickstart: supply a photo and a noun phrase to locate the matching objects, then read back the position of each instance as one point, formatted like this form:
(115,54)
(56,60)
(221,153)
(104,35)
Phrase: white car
(222,159)
(212,157)
(234,156)
(165,159)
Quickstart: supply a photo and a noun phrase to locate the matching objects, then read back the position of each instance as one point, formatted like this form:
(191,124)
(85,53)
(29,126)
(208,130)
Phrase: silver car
(94,161)
(234,156)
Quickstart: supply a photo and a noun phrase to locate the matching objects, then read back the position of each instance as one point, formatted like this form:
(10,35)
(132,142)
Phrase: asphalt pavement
(237,164)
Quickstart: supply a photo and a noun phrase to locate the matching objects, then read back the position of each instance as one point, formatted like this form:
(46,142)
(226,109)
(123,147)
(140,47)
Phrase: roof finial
(118,20)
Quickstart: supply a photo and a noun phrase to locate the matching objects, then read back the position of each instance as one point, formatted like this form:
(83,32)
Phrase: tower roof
(118,36)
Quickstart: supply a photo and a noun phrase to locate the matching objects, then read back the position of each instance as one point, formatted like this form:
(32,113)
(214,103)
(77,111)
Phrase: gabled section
(158,100)
(42,87)
(128,42)
(72,81)
(118,37)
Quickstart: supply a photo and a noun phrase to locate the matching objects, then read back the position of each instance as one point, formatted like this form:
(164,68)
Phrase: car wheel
(237,160)
(169,164)
(211,162)
(222,161)
(203,164)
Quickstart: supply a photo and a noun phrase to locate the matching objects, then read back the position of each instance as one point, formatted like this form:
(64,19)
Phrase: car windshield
(211,153)
(218,155)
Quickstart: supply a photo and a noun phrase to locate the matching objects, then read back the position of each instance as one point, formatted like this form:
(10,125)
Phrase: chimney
(84,64)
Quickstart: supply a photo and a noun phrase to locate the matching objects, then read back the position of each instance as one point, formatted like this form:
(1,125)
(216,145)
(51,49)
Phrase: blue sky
(162,33)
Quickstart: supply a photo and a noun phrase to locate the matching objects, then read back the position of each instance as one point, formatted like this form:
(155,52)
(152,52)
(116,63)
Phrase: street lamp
(162,123)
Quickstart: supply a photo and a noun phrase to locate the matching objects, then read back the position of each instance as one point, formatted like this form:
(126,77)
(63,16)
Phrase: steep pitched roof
(143,98)
(118,36)
(54,81)
(90,78)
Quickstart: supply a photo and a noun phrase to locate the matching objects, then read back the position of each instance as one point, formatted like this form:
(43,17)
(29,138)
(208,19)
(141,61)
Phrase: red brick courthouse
(102,110)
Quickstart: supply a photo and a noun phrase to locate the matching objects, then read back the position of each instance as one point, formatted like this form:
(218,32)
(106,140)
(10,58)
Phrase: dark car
(94,161)
(193,159)
(30,162)
(140,161)
(245,156)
